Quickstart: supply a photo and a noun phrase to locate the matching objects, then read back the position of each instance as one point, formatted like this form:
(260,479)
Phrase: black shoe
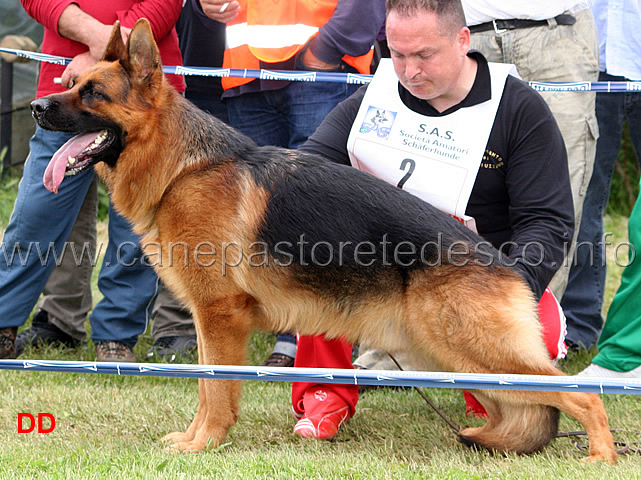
(278,360)
(112,351)
(8,342)
(577,346)
(43,332)
(170,348)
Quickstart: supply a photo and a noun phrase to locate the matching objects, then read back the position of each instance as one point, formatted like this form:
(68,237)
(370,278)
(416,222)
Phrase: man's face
(427,58)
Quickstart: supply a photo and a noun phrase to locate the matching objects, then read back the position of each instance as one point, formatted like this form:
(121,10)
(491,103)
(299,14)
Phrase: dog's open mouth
(76,155)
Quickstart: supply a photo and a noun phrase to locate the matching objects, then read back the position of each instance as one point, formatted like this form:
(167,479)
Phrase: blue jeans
(583,298)
(41,223)
(286,118)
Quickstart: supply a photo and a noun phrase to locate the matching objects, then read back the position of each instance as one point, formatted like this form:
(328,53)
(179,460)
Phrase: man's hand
(220,10)
(79,26)
(312,62)
(17,42)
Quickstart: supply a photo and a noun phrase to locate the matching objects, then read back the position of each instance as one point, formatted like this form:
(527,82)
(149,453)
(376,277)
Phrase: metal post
(6,94)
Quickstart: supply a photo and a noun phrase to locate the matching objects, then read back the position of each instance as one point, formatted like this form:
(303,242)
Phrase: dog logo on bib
(378,121)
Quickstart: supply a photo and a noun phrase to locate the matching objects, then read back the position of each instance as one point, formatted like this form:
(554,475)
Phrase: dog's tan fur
(180,188)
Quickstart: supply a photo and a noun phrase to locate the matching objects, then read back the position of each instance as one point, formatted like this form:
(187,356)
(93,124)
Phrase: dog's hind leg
(587,408)
(479,326)
(529,420)
(223,330)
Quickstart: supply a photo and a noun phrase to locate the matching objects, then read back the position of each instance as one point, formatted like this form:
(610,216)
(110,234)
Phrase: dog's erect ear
(115,48)
(142,58)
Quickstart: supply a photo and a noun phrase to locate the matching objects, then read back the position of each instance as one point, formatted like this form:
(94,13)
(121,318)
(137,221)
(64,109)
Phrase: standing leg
(129,287)
(583,298)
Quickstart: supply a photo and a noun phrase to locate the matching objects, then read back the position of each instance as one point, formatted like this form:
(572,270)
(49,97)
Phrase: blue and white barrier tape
(388,378)
(350,78)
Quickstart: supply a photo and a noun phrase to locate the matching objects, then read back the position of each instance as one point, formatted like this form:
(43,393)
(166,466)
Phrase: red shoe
(325,412)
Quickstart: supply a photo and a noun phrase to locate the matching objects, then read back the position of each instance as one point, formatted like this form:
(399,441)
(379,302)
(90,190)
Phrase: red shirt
(162,15)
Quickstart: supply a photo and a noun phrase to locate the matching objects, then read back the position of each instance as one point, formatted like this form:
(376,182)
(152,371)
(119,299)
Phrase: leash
(451,424)
(578,436)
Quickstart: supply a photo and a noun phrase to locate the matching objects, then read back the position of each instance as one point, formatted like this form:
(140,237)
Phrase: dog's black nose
(38,107)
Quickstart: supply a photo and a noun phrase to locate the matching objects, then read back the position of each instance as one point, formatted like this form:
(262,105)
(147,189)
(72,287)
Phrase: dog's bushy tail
(520,429)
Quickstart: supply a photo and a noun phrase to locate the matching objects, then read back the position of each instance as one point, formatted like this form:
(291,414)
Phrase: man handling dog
(520,196)
(265,237)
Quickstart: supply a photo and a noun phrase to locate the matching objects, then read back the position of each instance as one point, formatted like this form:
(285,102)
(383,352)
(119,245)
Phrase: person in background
(67,294)
(620,341)
(521,192)
(40,219)
(549,41)
(202,44)
(619,28)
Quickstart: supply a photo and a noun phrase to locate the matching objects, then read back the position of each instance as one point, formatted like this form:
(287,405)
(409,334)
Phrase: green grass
(109,427)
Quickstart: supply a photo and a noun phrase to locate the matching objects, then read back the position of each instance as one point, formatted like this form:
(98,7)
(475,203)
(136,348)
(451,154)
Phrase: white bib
(434,158)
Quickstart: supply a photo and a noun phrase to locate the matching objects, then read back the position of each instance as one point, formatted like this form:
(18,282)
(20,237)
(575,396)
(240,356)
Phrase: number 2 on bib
(409,165)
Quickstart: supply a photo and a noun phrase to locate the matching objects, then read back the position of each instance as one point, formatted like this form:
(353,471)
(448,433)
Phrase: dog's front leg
(187,436)
(223,330)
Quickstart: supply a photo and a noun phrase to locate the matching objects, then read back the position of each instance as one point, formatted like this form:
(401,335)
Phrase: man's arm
(351,30)
(162,14)
(541,209)
(70,21)
(75,24)
(219,10)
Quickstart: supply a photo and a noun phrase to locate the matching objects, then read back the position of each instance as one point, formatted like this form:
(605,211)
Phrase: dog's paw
(188,447)
(610,457)
(177,437)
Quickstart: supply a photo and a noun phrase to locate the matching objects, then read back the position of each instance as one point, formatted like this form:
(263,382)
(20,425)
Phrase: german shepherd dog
(318,248)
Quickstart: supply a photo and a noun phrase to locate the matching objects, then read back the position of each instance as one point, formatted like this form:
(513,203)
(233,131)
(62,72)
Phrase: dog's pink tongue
(55,171)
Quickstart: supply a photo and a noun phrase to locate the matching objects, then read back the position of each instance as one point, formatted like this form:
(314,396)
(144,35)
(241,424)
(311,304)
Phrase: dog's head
(106,103)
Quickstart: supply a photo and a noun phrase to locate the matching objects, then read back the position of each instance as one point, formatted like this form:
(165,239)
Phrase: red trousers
(317,352)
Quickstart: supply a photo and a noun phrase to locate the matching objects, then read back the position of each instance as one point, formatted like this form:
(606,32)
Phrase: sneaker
(594,370)
(43,332)
(278,360)
(325,412)
(170,348)
(114,352)
(8,342)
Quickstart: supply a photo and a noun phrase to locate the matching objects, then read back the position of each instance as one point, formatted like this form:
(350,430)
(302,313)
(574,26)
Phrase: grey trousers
(558,53)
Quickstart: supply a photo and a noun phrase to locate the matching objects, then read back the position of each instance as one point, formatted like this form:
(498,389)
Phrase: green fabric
(620,342)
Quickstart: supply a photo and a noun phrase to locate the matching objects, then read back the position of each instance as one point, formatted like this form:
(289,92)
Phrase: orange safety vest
(274,31)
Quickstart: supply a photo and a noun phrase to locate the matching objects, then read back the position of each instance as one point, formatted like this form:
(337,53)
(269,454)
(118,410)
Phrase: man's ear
(115,47)
(142,57)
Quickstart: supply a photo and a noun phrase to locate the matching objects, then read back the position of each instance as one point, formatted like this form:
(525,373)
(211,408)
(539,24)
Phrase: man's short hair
(450,11)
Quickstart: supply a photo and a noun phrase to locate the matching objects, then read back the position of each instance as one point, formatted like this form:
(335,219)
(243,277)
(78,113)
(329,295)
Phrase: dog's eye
(91,92)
